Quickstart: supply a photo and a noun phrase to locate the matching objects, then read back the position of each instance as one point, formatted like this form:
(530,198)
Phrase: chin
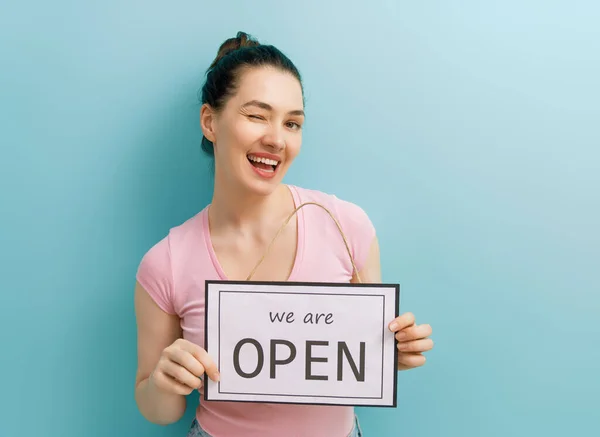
(262,188)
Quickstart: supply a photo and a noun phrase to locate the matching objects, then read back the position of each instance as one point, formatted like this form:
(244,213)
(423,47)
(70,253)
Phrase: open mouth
(263,164)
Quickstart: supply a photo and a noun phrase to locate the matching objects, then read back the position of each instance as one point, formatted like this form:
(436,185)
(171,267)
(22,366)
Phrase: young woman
(251,118)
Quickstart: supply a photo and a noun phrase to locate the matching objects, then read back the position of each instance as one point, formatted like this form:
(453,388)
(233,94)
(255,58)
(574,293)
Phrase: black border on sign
(318,284)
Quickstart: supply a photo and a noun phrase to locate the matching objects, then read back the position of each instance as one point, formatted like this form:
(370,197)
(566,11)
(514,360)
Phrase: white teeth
(263,160)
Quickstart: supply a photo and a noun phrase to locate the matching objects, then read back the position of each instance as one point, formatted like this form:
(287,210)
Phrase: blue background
(472,131)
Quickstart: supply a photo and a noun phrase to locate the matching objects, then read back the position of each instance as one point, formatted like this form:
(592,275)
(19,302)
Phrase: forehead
(278,88)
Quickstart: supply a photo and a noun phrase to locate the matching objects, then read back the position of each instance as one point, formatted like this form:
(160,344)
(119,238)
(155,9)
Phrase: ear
(207,122)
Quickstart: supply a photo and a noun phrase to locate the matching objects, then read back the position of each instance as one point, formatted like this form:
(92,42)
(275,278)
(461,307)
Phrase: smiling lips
(263,164)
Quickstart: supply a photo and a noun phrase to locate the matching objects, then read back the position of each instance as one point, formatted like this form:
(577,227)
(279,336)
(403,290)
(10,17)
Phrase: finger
(401,322)
(411,360)
(188,361)
(167,383)
(414,332)
(207,362)
(180,374)
(416,345)
(202,356)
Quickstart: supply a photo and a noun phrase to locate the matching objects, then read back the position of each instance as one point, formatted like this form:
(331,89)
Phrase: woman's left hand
(413,341)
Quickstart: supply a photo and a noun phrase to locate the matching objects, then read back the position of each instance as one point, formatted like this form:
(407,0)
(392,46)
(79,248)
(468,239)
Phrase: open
(343,353)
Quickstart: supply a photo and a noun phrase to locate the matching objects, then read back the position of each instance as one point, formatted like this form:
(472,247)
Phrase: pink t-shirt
(174,270)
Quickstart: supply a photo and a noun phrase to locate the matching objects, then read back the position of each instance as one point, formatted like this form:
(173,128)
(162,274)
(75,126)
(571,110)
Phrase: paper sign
(302,343)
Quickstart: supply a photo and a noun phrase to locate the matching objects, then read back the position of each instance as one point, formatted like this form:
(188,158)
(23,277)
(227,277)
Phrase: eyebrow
(268,107)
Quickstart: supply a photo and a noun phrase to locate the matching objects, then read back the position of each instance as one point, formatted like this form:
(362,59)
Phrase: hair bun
(242,39)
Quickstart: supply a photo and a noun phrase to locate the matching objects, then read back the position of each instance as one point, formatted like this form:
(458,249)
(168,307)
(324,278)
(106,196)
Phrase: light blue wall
(472,130)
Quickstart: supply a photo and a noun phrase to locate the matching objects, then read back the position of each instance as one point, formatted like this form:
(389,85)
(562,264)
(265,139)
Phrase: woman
(251,119)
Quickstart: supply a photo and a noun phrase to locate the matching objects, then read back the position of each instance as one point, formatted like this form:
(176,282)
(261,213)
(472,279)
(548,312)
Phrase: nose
(274,139)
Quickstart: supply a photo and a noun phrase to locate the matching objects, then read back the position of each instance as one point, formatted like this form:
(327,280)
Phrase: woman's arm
(371,271)
(156,330)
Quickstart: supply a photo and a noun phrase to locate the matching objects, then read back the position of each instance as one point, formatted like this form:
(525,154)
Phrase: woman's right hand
(181,367)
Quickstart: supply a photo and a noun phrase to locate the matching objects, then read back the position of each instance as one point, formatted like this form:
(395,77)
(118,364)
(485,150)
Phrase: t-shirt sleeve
(359,230)
(155,275)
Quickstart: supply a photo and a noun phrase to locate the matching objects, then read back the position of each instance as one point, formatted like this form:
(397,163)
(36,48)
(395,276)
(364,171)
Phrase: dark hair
(234,55)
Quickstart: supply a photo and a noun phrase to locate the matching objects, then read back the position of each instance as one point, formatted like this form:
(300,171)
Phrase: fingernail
(393,326)
(401,346)
(216,376)
(401,335)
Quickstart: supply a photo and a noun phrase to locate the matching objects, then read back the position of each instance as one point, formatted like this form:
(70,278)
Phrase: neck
(232,208)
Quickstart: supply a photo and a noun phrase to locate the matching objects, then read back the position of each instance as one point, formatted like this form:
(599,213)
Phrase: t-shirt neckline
(299,244)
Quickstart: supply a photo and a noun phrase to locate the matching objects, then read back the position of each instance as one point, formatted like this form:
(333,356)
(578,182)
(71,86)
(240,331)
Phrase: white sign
(306,343)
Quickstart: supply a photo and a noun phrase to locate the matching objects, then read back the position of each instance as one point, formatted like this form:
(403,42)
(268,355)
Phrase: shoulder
(155,270)
(354,221)
(344,210)
(173,240)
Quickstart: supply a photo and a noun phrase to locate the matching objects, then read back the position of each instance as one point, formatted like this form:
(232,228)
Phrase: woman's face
(258,133)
